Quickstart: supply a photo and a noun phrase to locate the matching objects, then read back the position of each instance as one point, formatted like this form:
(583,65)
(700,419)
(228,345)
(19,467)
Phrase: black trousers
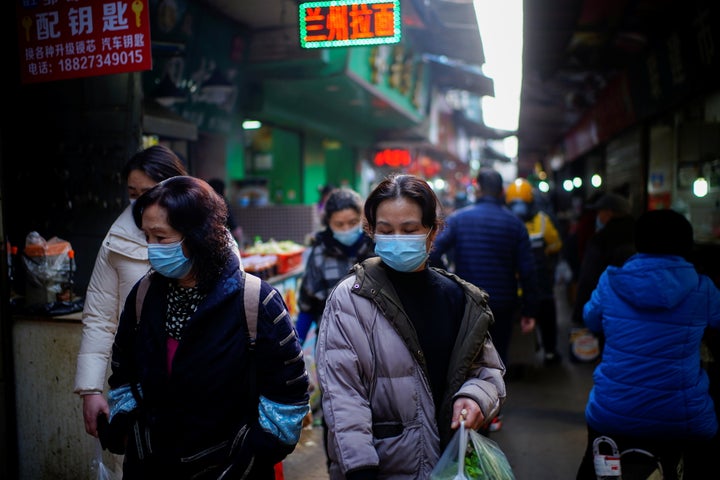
(546,317)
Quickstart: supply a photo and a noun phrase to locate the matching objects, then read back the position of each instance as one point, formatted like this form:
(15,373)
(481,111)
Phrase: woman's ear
(433,233)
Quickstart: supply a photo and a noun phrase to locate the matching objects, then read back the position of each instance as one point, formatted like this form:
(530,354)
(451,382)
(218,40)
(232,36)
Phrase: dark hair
(196,211)
(663,232)
(404,186)
(217,185)
(157,162)
(341,199)
(490,182)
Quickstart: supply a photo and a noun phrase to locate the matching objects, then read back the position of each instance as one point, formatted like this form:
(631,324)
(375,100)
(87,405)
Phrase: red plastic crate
(289,261)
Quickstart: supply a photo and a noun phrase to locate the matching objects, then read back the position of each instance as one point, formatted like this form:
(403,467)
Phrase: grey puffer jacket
(376,395)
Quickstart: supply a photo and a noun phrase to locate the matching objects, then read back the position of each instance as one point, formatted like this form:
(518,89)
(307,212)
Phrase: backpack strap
(140,298)
(252,303)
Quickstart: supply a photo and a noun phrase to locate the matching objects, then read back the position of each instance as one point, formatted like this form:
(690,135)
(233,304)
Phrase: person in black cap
(611,244)
(649,391)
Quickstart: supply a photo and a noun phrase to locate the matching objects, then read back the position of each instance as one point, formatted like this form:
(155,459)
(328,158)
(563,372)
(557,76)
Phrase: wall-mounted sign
(392,157)
(344,23)
(62,39)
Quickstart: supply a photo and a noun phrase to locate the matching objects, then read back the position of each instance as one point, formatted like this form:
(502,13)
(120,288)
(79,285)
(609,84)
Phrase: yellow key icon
(137,7)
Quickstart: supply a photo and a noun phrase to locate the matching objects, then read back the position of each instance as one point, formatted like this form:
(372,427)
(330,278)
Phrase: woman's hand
(93,405)
(467,409)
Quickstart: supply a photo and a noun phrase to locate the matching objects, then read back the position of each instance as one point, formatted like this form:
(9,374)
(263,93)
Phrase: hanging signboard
(392,157)
(62,39)
(345,23)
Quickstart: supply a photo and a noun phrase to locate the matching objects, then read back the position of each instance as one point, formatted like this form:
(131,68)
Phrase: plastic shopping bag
(484,460)
(492,464)
(99,466)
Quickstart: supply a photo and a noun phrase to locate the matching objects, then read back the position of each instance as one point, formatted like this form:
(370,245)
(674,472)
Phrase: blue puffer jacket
(653,312)
(490,248)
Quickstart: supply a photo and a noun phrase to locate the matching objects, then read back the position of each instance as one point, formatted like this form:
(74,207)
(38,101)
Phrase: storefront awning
(476,128)
(450,74)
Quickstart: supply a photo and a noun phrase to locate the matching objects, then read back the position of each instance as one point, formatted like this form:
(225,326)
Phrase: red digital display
(342,23)
(392,158)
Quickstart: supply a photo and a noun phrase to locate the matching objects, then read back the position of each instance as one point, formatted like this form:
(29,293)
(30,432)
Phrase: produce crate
(289,261)
(263,266)
(289,254)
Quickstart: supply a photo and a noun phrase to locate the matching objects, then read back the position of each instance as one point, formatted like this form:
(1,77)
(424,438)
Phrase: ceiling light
(700,187)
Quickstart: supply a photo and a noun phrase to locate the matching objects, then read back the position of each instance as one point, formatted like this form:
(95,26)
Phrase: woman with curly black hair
(214,399)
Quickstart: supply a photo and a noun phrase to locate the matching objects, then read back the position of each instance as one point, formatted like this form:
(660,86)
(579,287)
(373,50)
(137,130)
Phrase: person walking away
(546,246)
(649,389)
(236,230)
(404,352)
(216,399)
(580,230)
(333,251)
(612,244)
(121,261)
(491,249)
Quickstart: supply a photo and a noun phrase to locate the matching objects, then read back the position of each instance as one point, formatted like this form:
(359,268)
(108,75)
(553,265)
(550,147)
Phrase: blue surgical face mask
(520,209)
(168,259)
(404,253)
(348,237)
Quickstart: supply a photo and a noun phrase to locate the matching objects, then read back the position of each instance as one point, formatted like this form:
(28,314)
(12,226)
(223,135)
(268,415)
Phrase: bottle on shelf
(66,292)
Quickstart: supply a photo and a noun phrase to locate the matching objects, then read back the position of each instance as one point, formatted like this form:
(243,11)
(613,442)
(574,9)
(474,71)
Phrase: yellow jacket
(541,229)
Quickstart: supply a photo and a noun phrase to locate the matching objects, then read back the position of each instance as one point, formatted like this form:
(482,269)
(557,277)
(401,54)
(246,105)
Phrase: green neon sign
(346,23)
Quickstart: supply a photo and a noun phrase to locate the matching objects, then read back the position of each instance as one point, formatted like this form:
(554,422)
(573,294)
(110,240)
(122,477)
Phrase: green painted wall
(340,166)
(286,174)
(315,176)
(235,166)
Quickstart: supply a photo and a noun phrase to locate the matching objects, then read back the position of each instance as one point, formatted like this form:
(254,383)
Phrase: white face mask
(404,253)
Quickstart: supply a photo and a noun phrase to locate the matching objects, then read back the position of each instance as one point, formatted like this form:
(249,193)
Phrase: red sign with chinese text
(342,23)
(62,39)
(392,157)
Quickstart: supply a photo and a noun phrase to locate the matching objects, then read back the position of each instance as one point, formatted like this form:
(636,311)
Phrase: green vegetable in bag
(484,460)
(489,459)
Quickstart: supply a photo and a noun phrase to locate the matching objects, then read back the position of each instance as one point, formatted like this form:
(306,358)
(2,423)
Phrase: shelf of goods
(267,259)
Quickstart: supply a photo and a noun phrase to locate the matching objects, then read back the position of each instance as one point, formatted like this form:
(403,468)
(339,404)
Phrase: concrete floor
(543,433)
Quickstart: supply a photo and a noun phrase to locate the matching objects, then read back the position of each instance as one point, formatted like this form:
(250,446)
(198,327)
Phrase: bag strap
(252,303)
(140,298)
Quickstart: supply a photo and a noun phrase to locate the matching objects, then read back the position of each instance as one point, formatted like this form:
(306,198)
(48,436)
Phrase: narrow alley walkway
(543,432)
